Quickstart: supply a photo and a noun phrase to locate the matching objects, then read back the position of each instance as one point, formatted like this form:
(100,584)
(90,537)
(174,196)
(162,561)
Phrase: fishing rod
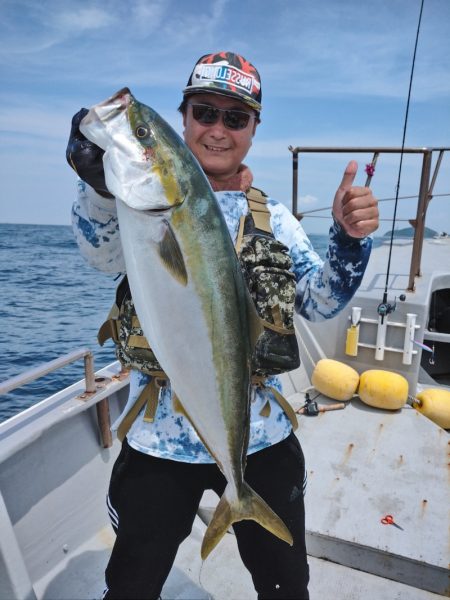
(385,307)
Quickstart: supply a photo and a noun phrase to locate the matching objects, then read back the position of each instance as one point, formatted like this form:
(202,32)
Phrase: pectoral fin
(171,255)
(178,407)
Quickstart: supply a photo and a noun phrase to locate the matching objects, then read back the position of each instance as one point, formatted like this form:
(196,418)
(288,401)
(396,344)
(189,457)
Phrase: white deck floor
(220,577)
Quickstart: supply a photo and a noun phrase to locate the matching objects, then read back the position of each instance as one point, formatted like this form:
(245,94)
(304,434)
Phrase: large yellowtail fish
(188,290)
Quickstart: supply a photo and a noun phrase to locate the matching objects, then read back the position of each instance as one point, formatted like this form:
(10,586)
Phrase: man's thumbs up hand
(355,208)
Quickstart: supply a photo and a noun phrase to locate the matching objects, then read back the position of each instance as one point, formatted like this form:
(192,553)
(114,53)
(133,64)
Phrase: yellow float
(434,404)
(383,389)
(335,379)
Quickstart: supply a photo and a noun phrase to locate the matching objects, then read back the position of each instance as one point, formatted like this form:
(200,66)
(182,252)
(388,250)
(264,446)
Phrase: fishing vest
(267,269)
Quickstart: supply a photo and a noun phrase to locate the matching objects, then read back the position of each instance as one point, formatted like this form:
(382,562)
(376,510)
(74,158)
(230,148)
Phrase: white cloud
(349,49)
(82,19)
(302,49)
(308,200)
(39,119)
(270,148)
(326,66)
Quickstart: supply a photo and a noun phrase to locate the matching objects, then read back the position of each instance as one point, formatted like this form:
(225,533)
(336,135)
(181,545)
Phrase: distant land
(409,232)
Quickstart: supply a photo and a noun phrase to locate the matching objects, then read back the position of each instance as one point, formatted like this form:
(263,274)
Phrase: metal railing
(53,365)
(426,186)
(92,384)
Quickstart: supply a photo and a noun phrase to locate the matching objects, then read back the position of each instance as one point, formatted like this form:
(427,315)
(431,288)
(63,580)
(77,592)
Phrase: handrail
(53,365)
(427,183)
(307,213)
(102,407)
(365,149)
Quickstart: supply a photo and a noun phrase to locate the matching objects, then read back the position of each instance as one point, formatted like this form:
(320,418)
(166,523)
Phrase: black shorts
(153,504)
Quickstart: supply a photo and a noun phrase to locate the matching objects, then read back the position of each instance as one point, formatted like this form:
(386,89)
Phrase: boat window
(439,318)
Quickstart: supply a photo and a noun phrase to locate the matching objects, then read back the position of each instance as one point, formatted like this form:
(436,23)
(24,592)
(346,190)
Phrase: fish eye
(142,131)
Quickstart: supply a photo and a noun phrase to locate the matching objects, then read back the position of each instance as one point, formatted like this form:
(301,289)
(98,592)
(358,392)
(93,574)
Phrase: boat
(363,463)
(443,236)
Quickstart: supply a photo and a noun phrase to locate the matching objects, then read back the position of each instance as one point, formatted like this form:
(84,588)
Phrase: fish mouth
(142,202)
(159,211)
(114,105)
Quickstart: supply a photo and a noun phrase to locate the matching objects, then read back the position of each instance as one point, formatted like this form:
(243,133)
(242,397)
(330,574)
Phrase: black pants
(155,501)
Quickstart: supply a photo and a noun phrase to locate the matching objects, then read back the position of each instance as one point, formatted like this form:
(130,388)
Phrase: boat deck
(435,253)
(220,577)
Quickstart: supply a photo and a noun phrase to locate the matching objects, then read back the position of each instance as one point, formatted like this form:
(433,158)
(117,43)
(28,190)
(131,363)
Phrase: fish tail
(249,506)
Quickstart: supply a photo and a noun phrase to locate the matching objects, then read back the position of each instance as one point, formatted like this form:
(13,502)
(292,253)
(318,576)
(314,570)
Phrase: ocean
(53,303)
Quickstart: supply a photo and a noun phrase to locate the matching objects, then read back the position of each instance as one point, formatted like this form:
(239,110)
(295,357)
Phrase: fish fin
(178,407)
(248,506)
(171,255)
(266,410)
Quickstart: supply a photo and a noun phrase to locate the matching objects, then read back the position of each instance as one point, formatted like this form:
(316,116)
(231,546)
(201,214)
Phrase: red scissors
(389,520)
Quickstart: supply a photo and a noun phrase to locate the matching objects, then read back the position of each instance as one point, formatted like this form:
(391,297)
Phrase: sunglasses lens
(236,119)
(208,115)
(205,114)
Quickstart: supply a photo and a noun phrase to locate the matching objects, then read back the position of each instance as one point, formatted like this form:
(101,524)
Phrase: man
(163,468)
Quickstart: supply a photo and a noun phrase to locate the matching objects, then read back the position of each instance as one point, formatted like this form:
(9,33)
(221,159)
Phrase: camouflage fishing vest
(266,266)
(267,269)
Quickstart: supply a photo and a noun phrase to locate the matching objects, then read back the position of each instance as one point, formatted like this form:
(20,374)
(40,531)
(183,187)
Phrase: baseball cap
(227,74)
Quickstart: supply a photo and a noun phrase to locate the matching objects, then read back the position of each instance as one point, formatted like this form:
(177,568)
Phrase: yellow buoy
(383,389)
(434,404)
(335,379)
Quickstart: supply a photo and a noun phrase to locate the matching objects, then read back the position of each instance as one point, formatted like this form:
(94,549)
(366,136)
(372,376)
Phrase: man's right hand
(86,158)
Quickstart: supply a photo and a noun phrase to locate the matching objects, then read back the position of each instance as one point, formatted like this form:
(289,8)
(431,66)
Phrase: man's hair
(183,106)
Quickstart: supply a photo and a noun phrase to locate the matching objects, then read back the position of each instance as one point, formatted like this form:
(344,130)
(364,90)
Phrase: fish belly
(173,320)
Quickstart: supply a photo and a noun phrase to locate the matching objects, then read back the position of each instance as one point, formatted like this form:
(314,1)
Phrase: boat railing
(92,385)
(425,194)
(53,365)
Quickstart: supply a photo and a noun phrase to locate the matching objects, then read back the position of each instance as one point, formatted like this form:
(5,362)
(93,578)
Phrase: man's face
(219,150)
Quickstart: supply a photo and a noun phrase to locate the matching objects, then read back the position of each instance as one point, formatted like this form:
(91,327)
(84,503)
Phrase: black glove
(85,157)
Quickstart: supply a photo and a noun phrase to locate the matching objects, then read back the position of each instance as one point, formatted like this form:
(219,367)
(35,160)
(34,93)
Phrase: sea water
(52,302)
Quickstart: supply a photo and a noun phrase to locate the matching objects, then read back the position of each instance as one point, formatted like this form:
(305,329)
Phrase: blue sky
(333,73)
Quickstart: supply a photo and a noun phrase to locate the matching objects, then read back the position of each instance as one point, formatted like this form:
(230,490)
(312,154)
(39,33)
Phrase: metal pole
(436,171)
(420,219)
(89,374)
(294,183)
(104,422)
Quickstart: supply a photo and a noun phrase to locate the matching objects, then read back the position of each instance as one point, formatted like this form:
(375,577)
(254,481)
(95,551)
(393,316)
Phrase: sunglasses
(232,119)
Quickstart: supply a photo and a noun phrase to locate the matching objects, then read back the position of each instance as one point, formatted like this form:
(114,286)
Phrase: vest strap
(276,328)
(287,408)
(149,396)
(290,413)
(257,203)
(240,235)
(138,341)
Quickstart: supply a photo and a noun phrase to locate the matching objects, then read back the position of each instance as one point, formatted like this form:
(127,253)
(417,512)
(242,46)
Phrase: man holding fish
(200,415)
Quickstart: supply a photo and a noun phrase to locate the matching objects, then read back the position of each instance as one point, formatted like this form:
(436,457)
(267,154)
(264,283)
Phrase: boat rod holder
(382,323)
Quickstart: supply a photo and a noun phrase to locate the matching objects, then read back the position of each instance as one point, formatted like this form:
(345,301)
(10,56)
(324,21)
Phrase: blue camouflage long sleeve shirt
(323,288)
